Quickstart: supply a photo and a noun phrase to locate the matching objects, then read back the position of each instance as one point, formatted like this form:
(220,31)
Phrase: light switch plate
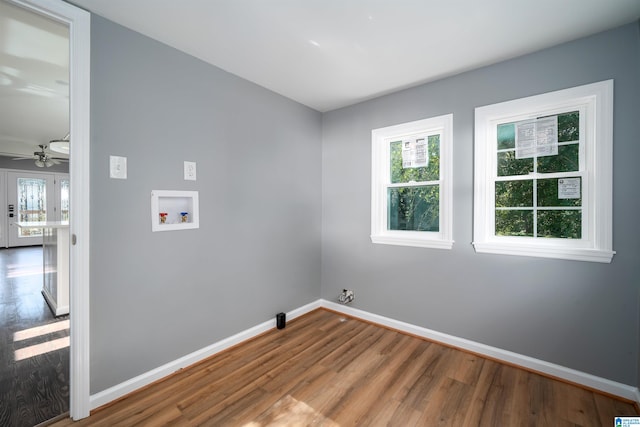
(190,171)
(117,167)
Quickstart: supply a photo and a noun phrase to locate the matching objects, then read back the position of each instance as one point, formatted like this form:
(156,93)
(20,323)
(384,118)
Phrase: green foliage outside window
(514,223)
(569,126)
(508,165)
(567,160)
(514,196)
(414,208)
(560,224)
(431,172)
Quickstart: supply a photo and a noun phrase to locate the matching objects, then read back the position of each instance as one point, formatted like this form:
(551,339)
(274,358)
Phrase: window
(411,184)
(543,173)
(32,204)
(63,197)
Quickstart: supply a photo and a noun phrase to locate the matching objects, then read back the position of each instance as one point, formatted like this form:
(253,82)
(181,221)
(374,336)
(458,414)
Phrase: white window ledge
(575,254)
(409,241)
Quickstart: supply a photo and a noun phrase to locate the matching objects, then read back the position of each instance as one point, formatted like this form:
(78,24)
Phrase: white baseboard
(53,304)
(577,377)
(124,388)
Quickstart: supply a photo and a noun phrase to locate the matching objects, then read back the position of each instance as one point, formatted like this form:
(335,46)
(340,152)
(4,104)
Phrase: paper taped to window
(415,153)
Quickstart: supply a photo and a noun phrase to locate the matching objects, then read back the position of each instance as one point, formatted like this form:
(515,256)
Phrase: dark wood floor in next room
(34,352)
(326,369)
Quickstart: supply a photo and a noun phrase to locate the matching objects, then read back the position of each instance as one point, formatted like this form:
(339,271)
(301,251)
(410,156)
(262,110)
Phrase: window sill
(412,241)
(574,254)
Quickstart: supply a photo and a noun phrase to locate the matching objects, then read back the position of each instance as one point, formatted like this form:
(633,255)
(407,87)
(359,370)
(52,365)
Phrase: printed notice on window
(569,188)
(538,137)
(626,421)
(414,153)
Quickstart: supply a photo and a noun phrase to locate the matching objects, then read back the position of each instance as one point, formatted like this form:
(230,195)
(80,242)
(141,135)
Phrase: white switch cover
(117,167)
(190,171)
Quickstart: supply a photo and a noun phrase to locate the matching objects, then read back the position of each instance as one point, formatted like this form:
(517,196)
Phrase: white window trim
(596,244)
(380,139)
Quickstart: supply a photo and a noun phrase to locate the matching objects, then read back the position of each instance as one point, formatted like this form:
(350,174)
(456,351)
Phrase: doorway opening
(34,190)
(76,24)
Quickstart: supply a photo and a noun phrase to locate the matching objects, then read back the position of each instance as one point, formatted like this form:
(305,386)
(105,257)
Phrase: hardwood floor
(330,370)
(34,354)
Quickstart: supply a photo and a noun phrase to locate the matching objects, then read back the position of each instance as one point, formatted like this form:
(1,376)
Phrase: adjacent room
(352,213)
(34,198)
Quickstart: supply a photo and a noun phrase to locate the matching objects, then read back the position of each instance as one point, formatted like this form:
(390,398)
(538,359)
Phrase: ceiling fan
(43,158)
(60,145)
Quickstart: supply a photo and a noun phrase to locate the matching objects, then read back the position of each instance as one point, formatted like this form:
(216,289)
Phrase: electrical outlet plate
(190,171)
(117,167)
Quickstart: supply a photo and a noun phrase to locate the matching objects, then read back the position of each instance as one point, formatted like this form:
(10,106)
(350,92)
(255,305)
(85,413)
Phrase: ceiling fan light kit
(59,146)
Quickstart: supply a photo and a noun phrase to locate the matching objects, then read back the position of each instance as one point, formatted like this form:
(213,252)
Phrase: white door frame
(4,223)
(79,22)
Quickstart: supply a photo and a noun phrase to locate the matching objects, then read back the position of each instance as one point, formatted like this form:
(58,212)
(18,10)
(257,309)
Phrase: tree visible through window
(538,207)
(411,183)
(543,175)
(416,205)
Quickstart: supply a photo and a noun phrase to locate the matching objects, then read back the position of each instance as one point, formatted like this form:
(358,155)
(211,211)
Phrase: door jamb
(79,23)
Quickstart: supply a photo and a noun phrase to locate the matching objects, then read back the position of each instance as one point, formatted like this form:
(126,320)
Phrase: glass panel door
(30,199)
(4,223)
(62,198)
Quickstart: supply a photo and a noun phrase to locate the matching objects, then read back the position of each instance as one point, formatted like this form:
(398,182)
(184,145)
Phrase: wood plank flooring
(326,369)
(34,353)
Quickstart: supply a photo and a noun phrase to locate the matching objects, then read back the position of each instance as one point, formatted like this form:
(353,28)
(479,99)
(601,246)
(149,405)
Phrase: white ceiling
(34,80)
(328,54)
(322,53)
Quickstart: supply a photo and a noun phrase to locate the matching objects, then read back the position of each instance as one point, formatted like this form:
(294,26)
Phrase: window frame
(381,180)
(595,104)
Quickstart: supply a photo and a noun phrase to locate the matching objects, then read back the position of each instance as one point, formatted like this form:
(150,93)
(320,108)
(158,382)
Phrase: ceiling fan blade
(25,157)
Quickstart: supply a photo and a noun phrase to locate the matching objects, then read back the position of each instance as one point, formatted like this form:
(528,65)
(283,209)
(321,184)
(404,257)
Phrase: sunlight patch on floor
(39,331)
(37,349)
(45,347)
(291,412)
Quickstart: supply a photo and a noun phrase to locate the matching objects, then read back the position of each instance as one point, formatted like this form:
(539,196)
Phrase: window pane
(514,223)
(548,194)
(414,208)
(569,126)
(560,224)
(64,200)
(511,194)
(32,204)
(508,165)
(431,172)
(506,136)
(567,160)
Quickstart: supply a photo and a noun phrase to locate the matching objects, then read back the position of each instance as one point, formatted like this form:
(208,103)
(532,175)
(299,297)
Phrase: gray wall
(285,208)
(158,296)
(577,314)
